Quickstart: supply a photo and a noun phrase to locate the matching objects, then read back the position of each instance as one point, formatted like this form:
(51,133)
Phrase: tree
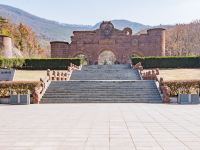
(23,37)
(183,39)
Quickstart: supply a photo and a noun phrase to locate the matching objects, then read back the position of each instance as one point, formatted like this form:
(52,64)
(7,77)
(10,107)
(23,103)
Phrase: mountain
(48,30)
(121,24)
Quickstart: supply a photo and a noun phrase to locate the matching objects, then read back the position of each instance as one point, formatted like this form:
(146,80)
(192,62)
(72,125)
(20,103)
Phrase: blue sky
(151,12)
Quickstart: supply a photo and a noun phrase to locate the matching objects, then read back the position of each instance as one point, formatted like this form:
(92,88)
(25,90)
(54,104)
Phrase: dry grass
(180,74)
(167,74)
(29,75)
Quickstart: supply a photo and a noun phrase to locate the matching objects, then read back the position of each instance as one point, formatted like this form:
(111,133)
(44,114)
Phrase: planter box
(20,99)
(188,99)
(195,98)
(4,100)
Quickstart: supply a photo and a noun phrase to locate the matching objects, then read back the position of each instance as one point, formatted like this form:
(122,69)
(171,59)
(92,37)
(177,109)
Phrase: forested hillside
(183,39)
(24,39)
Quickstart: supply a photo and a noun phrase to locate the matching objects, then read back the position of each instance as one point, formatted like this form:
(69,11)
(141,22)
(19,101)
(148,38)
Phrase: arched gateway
(107,58)
(122,43)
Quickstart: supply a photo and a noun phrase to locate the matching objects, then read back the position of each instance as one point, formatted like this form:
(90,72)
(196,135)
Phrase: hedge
(184,87)
(168,62)
(39,64)
(11,63)
(19,87)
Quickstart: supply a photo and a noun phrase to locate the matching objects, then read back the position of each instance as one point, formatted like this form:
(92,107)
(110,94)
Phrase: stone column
(6,46)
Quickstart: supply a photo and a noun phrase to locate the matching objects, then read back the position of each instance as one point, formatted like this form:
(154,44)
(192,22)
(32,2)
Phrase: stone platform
(100,127)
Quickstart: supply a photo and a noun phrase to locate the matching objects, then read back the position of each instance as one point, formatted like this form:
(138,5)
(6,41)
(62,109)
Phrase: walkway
(100,127)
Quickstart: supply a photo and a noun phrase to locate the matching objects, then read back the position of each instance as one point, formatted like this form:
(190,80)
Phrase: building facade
(121,43)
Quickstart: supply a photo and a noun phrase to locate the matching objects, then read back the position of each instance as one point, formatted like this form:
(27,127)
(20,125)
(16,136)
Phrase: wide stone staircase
(103,84)
(106,72)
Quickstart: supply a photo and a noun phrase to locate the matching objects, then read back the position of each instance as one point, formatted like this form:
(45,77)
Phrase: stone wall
(121,42)
(5,46)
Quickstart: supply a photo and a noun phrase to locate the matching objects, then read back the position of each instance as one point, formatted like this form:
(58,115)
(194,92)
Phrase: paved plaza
(100,127)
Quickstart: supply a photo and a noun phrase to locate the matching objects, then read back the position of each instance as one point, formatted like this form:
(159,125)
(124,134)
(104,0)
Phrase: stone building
(5,46)
(108,43)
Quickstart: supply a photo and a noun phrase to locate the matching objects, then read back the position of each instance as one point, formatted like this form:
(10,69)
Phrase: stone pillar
(59,49)
(162,42)
(157,37)
(5,46)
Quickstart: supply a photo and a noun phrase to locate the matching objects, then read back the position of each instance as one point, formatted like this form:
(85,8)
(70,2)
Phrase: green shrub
(168,62)
(39,64)
(54,64)
(11,63)
(19,87)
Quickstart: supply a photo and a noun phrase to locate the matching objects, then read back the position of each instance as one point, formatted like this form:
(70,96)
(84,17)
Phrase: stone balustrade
(52,76)
(165,90)
(40,90)
(62,75)
(147,75)
(153,75)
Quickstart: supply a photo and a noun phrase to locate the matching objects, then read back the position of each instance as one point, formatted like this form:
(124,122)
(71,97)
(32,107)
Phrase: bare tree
(183,39)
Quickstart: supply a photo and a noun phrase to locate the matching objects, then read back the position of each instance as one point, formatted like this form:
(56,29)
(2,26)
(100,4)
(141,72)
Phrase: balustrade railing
(52,76)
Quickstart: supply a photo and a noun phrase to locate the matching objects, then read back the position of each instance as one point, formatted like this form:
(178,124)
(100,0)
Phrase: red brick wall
(121,42)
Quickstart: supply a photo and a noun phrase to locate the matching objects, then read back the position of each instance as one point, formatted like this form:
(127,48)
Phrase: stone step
(100,89)
(104,98)
(61,100)
(101,93)
(106,72)
(101,96)
(92,89)
(103,81)
(103,84)
(114,88)
(96,84)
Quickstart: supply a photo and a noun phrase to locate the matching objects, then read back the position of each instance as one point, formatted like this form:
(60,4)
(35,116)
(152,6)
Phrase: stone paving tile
(100,127)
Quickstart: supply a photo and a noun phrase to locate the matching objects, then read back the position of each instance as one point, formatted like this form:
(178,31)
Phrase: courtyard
(71,80)
(100,127)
